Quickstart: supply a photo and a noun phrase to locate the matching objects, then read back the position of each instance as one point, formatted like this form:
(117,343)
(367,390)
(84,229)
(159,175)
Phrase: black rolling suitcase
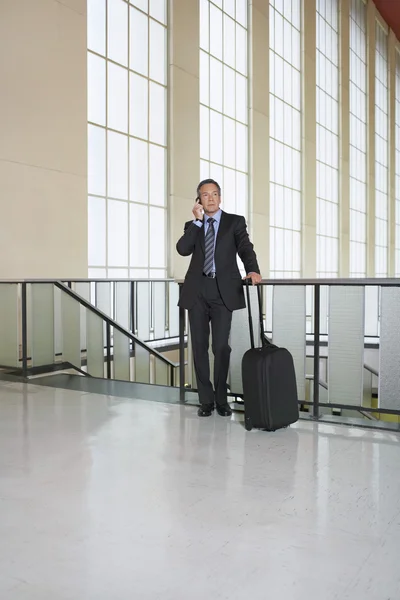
(269,381)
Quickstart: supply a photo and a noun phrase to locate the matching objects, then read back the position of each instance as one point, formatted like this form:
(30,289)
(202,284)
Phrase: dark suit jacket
(232,239)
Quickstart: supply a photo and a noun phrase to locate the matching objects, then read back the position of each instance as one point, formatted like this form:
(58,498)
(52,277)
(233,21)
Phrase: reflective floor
(111,499)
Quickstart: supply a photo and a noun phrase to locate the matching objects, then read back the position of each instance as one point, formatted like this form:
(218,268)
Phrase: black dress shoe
(224,410)
(205,410)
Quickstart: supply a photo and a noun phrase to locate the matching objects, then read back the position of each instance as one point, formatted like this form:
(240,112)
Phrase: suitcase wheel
(248,424)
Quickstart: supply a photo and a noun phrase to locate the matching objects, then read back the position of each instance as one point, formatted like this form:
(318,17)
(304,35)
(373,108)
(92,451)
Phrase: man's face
(210,198)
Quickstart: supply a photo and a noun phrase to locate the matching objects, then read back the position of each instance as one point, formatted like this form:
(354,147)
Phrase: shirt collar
(217,216)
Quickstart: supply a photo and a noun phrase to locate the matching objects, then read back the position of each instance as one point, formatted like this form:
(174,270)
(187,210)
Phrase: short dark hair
(207,181)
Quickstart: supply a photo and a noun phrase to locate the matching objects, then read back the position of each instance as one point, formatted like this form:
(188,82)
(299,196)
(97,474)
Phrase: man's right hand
(198,211)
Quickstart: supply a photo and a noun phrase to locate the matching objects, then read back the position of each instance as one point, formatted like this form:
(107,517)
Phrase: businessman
(213,289)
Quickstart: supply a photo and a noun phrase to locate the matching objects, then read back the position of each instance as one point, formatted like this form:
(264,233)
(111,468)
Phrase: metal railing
(120,328)
(345,331)
(46,325)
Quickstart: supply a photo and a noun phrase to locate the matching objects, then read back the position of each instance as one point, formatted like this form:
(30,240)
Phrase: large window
(285,138)
(381,152)
(327,138)
(127,79)
(358,139)
(223,99)
(397,142)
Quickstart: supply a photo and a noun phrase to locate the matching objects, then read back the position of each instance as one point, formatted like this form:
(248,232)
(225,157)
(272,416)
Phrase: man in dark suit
(213,288)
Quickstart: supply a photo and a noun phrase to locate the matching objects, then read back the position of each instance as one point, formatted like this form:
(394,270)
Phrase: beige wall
(43,172)
(309,142)
(184,124)
(259,204)
(344,141)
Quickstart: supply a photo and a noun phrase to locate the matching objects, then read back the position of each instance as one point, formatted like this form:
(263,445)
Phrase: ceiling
(390,11)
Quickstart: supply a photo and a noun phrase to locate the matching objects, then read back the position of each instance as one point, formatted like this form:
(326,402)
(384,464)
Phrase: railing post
(166,316)
(181,354)
(317,289)
(108,341)
(132,306)
(24,330)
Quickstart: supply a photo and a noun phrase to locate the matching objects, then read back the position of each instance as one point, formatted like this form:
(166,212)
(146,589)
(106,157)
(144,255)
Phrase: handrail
(122,280)
(381,281)
(372,281)
(366,367)
(72,280)
(371,370)
(321,382)
(112,323)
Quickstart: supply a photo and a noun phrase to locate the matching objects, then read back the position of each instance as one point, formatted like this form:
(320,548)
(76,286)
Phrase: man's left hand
(255,278)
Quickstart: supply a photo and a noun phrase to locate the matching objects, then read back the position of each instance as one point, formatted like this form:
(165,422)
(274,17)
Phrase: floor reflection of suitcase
(269,381)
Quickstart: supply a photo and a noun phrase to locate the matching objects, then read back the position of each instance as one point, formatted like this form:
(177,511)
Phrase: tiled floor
(111,499)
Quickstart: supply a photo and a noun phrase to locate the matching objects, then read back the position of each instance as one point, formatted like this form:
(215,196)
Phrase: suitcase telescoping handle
(264,340)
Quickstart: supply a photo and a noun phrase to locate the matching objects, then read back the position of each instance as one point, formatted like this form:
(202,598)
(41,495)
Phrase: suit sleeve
(186,243)
(245,248)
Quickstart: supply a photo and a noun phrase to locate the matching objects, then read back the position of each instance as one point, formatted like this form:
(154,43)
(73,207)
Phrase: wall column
(392,156)
(259,131)
(184,123)
(309,166)
(344,158)
(371,17)
(43,139)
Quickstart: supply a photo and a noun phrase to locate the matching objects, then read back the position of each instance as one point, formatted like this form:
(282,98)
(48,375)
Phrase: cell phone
(198,201)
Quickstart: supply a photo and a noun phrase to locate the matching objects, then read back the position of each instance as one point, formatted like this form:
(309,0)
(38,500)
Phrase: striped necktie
(209,247)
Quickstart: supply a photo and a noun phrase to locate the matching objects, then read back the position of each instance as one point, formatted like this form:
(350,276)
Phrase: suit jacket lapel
(222,229)
(202,240)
